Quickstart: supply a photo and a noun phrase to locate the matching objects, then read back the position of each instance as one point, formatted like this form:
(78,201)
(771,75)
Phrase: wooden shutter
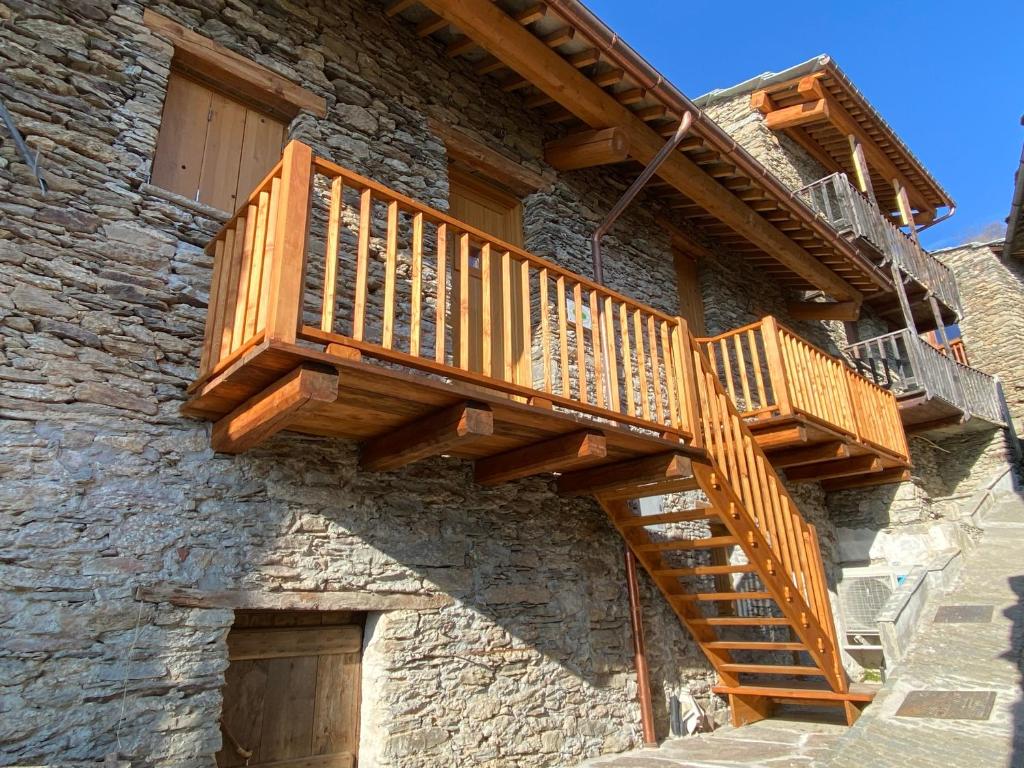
(291,695)
(691,302)
(213,148)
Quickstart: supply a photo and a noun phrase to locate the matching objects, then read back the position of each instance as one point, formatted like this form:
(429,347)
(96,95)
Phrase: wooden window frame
(225,70)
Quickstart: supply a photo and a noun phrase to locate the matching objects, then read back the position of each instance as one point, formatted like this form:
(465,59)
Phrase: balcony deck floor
(375,400)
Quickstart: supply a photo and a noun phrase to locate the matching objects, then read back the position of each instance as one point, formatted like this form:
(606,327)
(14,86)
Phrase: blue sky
(949,77)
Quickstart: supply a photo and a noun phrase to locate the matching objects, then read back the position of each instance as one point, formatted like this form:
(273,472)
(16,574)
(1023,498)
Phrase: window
(212,148)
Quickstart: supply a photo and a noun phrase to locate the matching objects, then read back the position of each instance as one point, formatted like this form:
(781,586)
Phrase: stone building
(281,599)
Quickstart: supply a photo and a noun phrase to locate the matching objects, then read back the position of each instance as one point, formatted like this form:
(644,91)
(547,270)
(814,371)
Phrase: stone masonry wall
(105,486)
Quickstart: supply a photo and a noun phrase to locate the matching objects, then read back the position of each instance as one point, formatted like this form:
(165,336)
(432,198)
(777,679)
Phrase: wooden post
(940,326)
(860,166)
(901,292)
(288,251)
(776,365)
(906,214)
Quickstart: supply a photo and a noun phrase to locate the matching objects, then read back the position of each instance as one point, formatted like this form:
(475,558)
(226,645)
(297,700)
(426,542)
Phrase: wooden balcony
(938,394)
(327,317)
(815,417)
(853,214)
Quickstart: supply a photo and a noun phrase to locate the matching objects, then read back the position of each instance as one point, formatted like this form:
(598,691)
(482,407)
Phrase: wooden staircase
(742,569)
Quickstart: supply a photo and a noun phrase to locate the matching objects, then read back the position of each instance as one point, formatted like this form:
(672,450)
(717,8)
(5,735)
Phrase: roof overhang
(579,74)
(818,106)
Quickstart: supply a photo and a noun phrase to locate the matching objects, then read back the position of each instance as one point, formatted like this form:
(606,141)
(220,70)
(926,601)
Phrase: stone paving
(946,656)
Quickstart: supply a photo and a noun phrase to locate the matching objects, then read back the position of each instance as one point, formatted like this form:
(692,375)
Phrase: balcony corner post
(689,387)
(772,338)
(288,266)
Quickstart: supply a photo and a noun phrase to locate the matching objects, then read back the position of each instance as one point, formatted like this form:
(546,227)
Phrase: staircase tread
(670,544)
(742,621)
(771,669)
(704,570)
(723,596)
(682,516)
(753,645)
(797,689)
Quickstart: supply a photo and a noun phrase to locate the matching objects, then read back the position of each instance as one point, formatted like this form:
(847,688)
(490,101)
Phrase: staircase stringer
(618,510)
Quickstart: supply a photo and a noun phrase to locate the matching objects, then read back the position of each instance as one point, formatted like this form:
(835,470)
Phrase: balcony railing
(905,364)
(466,305)
(769,371)
(849,211)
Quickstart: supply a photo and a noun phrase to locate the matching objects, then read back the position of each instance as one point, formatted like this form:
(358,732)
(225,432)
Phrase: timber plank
(282,643)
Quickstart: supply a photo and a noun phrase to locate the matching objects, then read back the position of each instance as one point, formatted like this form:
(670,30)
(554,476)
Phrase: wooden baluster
(652,342)
(362,263)
(390,265)
(671,384)
(231,300)
(244,276)
(268,255)
(524,366)
(563,335)
(211,337)
(641,364)
(464,301)
(595,343)
(689,371)
(762,397)
(508,368)
(608,317)
(627,361)
(442,290)
(331,254)
(727,368)
(741,364)
(581,360)
(287,282)
(416,310)
(486,307)
(545,330)
(258,260)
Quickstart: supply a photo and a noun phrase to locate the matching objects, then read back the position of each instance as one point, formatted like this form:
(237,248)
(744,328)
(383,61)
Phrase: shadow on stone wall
(1016,655)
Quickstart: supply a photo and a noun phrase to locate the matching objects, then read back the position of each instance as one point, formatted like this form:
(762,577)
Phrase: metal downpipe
(633,587)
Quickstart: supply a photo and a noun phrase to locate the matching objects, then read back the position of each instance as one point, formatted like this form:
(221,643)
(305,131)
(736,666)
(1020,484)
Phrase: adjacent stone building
(494,625)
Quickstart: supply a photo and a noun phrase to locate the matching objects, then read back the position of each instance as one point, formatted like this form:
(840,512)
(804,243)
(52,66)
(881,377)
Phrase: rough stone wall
(105,486)
(992,292)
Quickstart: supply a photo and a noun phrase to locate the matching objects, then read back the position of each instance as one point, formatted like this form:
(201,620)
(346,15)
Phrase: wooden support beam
(823,310)
(476,154)
(797,115)
(778,437)
(556,455)
(858,465)
(896,475)
(928,426)
(531,57)
(812,454)
(809,88)
(267,413)
(532,13)
(587,149)
(430,436)
(398,6)
(430,25)
(761,101)
(337,600)
(632,474)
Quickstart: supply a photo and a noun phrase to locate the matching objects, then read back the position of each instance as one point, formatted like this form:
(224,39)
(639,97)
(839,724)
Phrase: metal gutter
(577,15)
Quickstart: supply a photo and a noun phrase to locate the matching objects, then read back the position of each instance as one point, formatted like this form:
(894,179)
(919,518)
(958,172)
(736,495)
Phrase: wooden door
(211,147)
(291,694)
(489,209)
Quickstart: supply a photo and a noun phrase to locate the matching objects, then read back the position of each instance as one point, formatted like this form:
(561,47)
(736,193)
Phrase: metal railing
(849,211)
(905,364)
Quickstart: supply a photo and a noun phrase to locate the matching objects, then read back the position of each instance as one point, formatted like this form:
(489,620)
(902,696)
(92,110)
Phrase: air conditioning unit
(863,592)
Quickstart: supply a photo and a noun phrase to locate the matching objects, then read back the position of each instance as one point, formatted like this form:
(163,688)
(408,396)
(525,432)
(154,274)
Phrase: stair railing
(764,517)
